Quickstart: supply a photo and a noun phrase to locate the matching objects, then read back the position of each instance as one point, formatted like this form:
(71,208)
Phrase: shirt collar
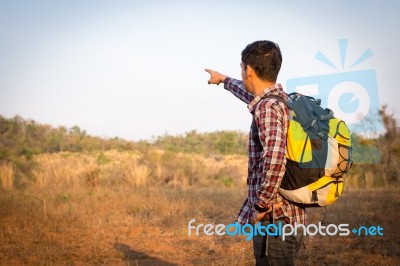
(275,89)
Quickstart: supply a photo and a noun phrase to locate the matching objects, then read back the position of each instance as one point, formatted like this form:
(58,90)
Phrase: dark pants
(279,252)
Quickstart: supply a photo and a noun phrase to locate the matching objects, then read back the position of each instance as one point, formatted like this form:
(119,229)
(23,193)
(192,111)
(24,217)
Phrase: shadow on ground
(133,257)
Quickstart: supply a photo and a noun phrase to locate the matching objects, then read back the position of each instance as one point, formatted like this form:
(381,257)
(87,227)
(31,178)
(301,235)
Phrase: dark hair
(265,58)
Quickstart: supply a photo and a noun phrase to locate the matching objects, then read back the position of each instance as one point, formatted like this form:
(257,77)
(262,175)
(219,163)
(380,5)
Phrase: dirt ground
(148,226)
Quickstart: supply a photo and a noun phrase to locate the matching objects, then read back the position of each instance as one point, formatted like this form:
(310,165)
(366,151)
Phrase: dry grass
(62,170)
(7,176)
(109,209)
(114,226)
(148,226)
(138,175)
(70,170)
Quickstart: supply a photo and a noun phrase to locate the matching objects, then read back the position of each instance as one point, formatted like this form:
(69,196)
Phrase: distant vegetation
(19,137)
(214,143)
(29,153)
(185,159)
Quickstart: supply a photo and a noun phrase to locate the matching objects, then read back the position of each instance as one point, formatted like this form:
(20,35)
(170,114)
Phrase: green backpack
(318,152)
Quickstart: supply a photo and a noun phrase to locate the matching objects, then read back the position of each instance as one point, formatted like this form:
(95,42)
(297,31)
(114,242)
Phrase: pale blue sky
(135,69)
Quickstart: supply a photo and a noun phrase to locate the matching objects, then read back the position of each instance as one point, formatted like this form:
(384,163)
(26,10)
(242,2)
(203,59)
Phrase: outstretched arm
(233,85)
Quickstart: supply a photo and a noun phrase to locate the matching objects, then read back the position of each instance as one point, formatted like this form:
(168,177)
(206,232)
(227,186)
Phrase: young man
(261,62)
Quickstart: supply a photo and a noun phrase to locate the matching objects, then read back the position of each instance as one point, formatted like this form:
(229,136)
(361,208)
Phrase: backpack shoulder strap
(279,98)
(254,127)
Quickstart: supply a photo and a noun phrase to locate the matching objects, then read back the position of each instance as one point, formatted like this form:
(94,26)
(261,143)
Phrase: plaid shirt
(266,165)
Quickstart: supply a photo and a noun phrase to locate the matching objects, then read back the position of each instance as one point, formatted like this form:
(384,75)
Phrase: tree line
(21,140)
(25,138)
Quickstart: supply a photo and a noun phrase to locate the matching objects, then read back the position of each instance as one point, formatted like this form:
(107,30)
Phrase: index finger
(208,70)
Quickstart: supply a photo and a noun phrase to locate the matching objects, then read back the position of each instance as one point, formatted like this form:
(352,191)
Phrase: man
(261,62)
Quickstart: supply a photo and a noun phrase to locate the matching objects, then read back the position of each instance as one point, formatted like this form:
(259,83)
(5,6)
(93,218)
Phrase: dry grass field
(73,213)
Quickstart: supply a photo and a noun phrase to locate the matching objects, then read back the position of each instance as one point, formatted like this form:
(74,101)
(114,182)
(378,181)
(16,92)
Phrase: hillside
(67,198)
(24,142)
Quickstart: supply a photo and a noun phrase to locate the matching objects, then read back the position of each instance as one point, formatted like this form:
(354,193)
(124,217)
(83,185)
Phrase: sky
(135,69)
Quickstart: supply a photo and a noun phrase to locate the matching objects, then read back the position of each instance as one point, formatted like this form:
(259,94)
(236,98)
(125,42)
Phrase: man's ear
(250,71)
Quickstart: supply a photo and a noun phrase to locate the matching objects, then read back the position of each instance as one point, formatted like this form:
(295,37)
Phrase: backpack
(318,152)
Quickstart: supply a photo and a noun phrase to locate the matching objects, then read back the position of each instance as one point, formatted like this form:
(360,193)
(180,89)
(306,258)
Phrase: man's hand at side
(216,77)
(257,216)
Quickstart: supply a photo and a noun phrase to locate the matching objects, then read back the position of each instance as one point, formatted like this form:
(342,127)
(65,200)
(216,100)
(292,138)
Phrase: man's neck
(260,85)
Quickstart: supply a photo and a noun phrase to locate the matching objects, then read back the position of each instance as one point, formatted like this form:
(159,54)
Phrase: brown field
(67,217)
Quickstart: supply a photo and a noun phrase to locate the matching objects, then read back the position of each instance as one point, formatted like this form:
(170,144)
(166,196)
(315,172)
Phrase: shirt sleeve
(272,122)
(236,87)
